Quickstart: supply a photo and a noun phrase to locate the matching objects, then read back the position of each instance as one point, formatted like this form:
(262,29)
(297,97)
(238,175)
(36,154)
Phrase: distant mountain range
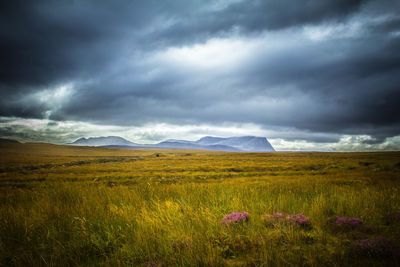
(103,141)
(236,144)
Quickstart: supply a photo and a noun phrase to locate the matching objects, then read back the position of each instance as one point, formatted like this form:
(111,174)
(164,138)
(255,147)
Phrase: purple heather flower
(152,264)
(298,219)
(235,217)
(155,264)
(351,222)
(345,223)
(378,247)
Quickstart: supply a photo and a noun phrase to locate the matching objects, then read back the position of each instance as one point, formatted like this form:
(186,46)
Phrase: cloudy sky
(308,75)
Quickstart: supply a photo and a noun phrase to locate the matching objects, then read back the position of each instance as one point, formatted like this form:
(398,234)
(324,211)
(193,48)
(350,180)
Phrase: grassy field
(79,206)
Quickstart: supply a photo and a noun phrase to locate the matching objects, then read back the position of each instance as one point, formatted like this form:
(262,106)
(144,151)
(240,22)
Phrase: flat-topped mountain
(102,141)
(242,143)
(192,145)
(236,144)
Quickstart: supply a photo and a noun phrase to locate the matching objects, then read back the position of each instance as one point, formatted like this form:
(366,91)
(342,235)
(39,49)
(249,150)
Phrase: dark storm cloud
(110,52)
(195,23)
(45,42)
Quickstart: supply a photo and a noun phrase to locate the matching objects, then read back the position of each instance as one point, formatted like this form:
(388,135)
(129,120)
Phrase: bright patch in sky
(50,98)
(55,96)
(215,53)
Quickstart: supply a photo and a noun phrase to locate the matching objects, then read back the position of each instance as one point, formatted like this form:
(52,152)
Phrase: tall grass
(172,221)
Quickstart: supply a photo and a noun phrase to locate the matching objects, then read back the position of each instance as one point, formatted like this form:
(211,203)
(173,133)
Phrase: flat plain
(83,206)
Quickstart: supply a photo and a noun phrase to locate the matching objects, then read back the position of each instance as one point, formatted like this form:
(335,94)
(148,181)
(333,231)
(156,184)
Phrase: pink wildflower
(279,217)
(235,217)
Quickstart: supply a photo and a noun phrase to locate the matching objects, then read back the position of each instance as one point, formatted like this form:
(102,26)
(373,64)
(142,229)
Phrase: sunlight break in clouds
(214,54)
(52,99)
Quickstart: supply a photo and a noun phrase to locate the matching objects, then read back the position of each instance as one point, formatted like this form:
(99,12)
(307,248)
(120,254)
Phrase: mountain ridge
(102,141)
(233,144)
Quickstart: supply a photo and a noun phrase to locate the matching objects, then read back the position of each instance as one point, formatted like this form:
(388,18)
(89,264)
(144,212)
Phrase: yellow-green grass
(63,205)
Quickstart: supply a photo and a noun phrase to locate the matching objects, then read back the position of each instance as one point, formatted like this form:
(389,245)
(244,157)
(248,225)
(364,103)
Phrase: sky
(308,75)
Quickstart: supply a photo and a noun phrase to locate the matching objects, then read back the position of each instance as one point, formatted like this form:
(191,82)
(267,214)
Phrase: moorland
(85,206)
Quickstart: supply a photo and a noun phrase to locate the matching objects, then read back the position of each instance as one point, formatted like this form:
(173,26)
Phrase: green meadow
(81,206)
